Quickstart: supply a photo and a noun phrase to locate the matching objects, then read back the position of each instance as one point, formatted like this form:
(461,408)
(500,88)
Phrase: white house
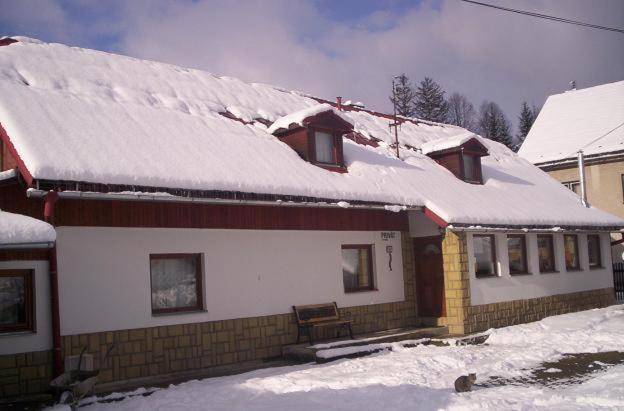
(193,211)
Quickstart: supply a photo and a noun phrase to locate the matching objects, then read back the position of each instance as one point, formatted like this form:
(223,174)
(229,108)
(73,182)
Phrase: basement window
(176,283)
(485,255)
(357,268)
(17,308)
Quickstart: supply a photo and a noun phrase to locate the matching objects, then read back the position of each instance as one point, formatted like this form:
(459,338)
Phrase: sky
(350,48)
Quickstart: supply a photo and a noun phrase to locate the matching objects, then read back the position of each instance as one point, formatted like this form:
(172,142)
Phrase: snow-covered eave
(555,228)
(27,246)
(589,158)
(278,201)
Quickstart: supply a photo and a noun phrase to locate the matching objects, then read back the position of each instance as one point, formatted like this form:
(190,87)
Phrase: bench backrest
(316,313)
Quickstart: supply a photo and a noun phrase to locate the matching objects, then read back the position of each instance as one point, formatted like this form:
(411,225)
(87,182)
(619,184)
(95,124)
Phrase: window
(176,282)
(546,253)
(485,255)
(470,170)
(593,251)
(16,301)
(324,147)
(357,267)
(570,245)
(516,246)
(574,186)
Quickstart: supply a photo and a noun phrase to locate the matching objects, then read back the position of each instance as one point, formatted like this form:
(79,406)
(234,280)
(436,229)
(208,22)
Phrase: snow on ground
(20,229)
(421,378)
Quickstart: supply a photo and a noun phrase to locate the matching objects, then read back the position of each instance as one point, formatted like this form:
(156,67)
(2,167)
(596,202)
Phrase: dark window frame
(476,167)
(522,237)
(29,301)
(492,253)
(198,282)
(622,178)
(577,251)
(553,258)
(371,274)
(599,264)
(337,151)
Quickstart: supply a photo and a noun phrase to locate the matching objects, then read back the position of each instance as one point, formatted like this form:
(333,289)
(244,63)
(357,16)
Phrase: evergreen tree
(493,124)
(403,96)
(525,122)
(429,101)
(461,111)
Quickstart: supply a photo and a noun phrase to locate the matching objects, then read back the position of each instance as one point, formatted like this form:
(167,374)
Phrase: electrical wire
(546,17)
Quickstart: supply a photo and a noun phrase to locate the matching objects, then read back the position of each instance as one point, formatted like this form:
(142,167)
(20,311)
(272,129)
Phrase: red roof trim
(435,218)
(20,163)
(6,41)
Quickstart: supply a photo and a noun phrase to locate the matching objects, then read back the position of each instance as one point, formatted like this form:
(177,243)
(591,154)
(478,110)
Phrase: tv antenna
(395,121)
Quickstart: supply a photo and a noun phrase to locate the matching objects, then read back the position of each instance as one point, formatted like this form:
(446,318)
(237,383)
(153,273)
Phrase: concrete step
(305,353)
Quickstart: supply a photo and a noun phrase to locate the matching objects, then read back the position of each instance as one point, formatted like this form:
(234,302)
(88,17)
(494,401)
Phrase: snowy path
(420,378)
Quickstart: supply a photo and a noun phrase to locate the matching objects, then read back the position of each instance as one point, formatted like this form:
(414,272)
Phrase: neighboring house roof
(590,119)
(75,114)
(20,230)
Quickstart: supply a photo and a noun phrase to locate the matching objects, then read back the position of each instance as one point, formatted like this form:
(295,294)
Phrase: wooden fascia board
(4,136)
(439,221)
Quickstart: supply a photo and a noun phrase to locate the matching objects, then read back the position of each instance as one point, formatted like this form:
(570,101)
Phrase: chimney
(581,167)
(339,103)
(572,85)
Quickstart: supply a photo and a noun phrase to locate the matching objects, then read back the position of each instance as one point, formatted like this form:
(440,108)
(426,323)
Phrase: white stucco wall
(506,287)
(104,276)
(41,339)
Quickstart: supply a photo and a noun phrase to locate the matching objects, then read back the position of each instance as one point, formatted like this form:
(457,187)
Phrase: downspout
(50,200)
(581,167)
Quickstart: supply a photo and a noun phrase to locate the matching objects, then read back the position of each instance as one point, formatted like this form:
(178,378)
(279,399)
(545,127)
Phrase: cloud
(303,45)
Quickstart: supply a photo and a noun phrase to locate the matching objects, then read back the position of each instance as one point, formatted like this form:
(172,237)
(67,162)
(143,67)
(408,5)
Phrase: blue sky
(349,48)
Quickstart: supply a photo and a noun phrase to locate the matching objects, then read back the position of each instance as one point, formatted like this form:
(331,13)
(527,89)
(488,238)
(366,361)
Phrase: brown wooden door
(429,276)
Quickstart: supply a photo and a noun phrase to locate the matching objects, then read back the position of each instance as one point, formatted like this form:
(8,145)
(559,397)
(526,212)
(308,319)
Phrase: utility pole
(395,121)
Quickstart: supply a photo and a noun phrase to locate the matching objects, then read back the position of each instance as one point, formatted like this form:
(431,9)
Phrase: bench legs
(307,330)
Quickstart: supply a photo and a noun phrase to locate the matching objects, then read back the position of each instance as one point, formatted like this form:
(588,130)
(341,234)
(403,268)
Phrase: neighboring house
(193,211)
(591,120)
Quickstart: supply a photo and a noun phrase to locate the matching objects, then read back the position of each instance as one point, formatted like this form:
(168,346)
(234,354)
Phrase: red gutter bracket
(440,222)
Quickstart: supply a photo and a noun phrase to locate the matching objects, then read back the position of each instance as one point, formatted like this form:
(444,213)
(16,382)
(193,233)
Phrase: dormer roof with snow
(84,120)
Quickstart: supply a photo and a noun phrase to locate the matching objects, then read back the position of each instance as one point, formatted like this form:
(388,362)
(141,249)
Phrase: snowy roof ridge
(17,229)
(299,116)
(79,115)
(589,119)
(449,142)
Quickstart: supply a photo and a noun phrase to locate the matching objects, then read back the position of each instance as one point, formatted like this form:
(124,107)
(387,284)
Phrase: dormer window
(324,148)
(460,155)
(316,135)
(471,167)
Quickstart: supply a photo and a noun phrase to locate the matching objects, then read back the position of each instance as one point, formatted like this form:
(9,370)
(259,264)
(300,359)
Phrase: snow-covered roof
(17,229)
(449,142)
(299,116)
(591,119)
(75,114)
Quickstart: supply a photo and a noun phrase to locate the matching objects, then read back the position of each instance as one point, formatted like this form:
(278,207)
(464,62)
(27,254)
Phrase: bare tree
(461,111)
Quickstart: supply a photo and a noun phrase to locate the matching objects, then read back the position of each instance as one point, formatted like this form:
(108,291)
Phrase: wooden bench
(319,315)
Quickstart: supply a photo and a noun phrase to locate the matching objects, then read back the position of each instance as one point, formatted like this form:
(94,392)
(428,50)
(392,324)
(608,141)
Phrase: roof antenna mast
(395,121)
